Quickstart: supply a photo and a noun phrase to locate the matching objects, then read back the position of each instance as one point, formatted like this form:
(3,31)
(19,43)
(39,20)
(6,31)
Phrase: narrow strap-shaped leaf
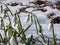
(1,39)
(1,8)
(27,27)
(48,42)
(54,38)
(28,17)
(7,8)
(36,25)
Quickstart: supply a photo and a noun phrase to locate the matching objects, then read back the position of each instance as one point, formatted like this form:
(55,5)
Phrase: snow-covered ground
(42,16)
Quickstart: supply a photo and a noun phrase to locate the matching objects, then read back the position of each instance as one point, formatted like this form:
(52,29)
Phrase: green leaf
(7,8)
(36,24)
(48,42)
(28,17)
(31,18)
(27,27)
(40,29)
(29,40)
(54,38)
(23,37)
(1,8)
(1,39)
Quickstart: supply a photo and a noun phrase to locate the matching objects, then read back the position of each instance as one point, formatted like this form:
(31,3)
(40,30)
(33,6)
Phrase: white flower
(13,41)
(9,34)
(49,27)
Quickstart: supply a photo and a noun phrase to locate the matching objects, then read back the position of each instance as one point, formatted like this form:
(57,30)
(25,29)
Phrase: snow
(42,17)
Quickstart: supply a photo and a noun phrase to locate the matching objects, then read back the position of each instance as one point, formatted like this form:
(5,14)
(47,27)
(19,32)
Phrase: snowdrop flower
(13,40)
(9,32)
(49,27)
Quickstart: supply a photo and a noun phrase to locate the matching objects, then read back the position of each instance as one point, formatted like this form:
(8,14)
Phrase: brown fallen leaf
(38,2)
(58,7)
(56,20)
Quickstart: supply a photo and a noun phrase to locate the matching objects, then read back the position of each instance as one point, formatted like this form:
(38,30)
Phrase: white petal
(13,41)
